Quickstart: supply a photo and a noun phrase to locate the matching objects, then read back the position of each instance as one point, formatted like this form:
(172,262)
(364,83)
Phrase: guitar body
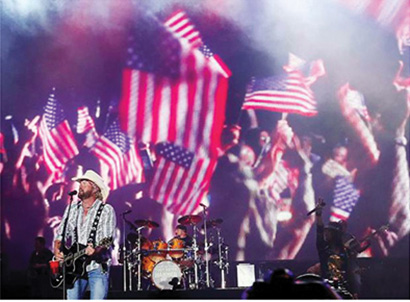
(74,268)
(75,261)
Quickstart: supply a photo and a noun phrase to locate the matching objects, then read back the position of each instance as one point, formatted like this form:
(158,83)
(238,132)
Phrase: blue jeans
(98,282)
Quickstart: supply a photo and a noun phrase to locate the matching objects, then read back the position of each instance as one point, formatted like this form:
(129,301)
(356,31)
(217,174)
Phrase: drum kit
(177,263)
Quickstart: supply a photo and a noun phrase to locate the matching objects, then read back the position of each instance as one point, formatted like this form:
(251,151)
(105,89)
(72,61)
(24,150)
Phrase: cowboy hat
(97,180)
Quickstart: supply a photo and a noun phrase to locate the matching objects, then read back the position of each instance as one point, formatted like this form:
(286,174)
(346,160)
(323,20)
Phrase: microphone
(127,212)
(202,205)
(72,193)
(320,205)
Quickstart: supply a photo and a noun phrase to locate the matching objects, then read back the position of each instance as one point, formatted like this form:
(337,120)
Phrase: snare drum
(176,244)
(164,272)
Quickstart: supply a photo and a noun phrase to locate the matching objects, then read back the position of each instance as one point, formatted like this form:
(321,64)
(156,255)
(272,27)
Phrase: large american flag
(58,142)
(120,162)
(287,92)
(345,197)
(181,101)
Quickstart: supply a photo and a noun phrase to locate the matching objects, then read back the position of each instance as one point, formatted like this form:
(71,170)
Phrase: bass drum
(165,272)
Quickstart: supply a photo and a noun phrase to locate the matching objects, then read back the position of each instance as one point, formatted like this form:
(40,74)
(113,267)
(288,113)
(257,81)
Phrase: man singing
(90,221)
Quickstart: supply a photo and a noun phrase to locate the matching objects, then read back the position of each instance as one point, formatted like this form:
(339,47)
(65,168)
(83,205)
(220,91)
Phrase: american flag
(283,177)
(182,101)
(345,197)
(355,99)
(85,124)
(58,142)
(181,25)
(349,103)
(282,93)
(120,162)
(184,106)
(181,179)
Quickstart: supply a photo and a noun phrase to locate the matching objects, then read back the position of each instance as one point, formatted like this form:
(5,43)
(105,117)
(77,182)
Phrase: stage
(381,279)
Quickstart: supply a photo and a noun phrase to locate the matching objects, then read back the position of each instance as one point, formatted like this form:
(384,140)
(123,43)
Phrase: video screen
(239,120)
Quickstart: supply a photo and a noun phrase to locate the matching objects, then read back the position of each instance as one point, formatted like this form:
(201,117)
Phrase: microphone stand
(221,263)
(63,246)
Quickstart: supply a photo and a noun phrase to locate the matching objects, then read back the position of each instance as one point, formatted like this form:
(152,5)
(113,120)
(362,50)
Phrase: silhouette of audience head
(282,284)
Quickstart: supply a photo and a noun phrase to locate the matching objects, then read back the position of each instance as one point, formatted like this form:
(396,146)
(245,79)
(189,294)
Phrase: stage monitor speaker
(245,274)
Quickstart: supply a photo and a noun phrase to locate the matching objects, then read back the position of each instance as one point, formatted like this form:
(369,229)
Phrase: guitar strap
(93,233)
(76,223)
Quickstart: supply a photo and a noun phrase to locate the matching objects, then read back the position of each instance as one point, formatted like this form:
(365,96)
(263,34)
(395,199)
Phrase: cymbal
(213,223)
(147,223)
(189,219)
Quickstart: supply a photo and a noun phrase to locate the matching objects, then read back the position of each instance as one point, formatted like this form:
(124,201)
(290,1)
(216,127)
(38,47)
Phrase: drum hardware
(139,262)
(213,223)
(222,257)
(208,284)
(126,264)
(195,250)
(189,267)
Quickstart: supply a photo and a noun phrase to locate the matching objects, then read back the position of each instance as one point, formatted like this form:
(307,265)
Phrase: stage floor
(386,278)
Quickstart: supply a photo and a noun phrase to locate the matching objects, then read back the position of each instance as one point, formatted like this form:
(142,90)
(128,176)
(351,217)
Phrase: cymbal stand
(139,266)
(124,255)
(195,249)
(208,283)
(221,261)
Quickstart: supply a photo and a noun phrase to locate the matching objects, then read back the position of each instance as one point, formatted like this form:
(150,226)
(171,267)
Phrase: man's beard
(84,194)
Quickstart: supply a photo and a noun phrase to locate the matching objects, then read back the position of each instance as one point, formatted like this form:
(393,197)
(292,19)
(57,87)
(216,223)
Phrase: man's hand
(57,254)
